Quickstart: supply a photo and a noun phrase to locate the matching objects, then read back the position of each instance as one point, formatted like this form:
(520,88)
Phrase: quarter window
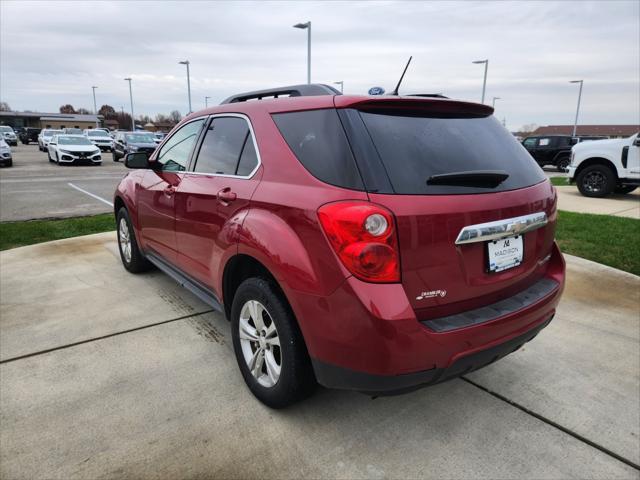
(544,142)
(174,155)
(227,148)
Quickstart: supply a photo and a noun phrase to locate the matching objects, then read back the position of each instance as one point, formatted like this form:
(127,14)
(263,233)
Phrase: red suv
(376,244)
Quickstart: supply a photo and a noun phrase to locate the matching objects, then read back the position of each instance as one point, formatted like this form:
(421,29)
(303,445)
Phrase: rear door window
(414,148)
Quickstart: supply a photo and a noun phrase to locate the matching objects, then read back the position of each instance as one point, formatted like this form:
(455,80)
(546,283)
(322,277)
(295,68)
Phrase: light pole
(575,124)
(206,102)
(341,83)
(484,83)
(133,121)
(95,108)
(308,27)
(186,62)
(493,104)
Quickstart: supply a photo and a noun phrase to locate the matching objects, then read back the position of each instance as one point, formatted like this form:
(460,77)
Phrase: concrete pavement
(570,199)
(107,374)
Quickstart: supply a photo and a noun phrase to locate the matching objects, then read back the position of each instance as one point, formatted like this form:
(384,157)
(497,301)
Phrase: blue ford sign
(376,91)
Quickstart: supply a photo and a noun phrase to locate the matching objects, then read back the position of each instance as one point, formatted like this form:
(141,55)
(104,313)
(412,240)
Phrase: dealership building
(49,120)
(611,131)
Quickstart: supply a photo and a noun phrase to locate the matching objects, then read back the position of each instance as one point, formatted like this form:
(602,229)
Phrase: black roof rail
(307,90)
(428,95)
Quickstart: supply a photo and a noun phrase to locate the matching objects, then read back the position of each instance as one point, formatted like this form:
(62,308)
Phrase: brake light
(364,237)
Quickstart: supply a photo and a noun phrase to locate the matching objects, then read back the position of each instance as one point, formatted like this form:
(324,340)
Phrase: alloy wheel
(260,343)
(594,181)
(124,238)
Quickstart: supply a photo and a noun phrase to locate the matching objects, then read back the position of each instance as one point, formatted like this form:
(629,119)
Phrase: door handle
(170,190)
(225,196)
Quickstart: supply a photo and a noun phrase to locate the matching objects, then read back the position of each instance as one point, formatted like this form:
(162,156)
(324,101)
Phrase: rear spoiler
(414,105)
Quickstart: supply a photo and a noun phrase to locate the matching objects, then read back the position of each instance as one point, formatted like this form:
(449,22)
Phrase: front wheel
(596,181)
(132,258)
(563,164)
(115,157)
(623,189)
(49,156)
(268,345)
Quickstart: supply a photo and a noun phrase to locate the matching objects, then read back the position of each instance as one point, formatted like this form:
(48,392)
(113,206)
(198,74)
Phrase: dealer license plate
(505,253)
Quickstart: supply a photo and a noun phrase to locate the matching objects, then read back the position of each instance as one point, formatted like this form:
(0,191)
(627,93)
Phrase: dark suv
(29,135)
(128,142)
(554,149)
(377,244)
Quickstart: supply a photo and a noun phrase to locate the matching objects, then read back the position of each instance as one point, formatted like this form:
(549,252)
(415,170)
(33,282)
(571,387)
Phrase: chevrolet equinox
(376,244)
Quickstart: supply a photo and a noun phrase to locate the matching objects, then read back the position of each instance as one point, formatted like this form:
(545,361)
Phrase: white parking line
(90,194)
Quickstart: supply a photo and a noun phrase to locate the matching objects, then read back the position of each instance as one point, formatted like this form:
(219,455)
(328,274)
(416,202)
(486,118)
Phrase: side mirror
(137,160)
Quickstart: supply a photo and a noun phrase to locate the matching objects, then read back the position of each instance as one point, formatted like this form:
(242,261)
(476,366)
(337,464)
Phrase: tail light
(364,237)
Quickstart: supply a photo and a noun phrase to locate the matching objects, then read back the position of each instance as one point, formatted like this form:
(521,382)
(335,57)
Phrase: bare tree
(528,128)
(175,116)
(67,109)
(83,111)
(4,107)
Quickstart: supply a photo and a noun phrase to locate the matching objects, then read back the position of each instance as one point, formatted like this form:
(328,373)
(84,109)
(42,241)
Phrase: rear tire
(115,157)
(132,258)
(282,373)
(563,164)
(596,181)
(624,189)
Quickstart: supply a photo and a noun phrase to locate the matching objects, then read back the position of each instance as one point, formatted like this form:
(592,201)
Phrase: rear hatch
(441,166)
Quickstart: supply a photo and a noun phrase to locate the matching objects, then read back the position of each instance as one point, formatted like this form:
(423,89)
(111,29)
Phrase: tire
(132,258)
(115,157)
(596,181)
(624,189)
(563,164)
(49,156)
(295,379)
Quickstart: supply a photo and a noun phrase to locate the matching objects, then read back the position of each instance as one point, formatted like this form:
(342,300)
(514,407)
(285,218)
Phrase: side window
(544,142)
(227,148)
(174,155)
(530,142)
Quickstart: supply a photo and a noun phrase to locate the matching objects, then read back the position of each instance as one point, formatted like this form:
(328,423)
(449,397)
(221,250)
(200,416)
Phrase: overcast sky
(51,53)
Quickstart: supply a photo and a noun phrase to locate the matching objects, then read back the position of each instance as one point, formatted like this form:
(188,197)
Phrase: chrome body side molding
(508,227)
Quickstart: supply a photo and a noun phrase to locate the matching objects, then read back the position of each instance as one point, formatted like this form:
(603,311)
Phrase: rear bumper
(366,337)
(342,378)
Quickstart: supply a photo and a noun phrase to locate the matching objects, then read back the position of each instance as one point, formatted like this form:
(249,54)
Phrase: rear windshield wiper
(474,178)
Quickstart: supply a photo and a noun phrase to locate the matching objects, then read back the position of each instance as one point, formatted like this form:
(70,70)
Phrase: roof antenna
(395,91)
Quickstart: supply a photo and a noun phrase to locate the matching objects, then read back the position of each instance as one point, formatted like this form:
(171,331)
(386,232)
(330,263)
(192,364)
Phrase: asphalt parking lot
(107,374)
(36,188)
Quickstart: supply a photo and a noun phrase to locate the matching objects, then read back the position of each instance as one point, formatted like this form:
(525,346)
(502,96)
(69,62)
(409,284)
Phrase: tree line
(123,118)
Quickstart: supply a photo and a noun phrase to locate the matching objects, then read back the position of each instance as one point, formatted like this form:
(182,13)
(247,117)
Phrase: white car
(73,148)
(606,166)
(5,154)
(100,138)
(8,135)
(43,138)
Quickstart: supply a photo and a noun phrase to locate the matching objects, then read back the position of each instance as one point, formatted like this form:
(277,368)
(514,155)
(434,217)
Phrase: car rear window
(413,148)
(318,140)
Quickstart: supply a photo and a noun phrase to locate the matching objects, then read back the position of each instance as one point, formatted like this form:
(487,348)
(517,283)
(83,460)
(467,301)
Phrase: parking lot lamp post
(575,123)
(493,104)
(484,83)
(206,102)
(302,26)
(95,108)
(186,62)
(341,83)
(133,121)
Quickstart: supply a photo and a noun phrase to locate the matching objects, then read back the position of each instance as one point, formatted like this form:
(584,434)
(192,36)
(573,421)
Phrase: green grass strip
(613,241)
(559,181)
(18,234)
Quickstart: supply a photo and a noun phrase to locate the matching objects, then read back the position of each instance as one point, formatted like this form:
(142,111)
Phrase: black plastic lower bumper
(332,376)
